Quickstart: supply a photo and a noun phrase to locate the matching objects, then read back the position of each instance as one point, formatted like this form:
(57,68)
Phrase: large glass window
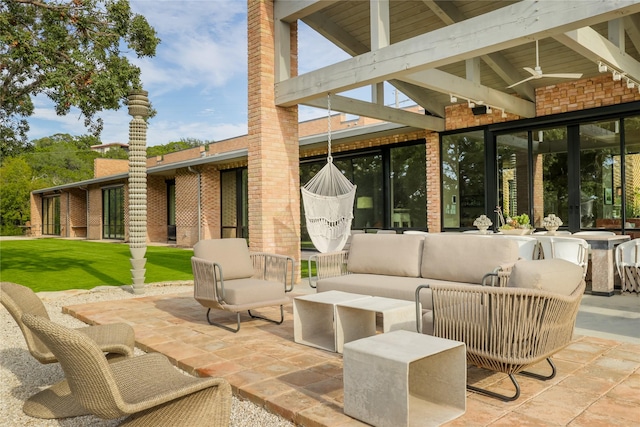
(408,190)
(171,209)
(391,189)
(235,213)
(632,176)
(550,174)
(463,178)
(513,173)
(113,213)
(599,173)
(51,215)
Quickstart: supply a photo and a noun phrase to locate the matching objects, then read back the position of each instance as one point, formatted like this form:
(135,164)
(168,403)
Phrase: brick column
(273,160)
(434,219)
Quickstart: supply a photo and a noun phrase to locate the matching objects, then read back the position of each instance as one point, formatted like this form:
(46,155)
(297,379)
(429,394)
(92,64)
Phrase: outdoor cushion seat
(403,288)
(226,276)
(147,389)
(117,340)
(509,329)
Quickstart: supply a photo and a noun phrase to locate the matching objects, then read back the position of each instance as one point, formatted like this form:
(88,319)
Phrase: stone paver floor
(598,380)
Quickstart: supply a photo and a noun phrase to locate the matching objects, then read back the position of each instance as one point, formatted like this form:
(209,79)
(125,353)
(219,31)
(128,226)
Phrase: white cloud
(204,43)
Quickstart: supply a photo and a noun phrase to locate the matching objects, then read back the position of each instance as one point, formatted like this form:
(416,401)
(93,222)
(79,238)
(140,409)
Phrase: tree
(62,159)
(69,50)
(16,182)
(172,147)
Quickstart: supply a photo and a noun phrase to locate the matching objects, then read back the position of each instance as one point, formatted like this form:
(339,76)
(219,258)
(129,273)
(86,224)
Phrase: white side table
(357,318)
(314,318)
(404,378)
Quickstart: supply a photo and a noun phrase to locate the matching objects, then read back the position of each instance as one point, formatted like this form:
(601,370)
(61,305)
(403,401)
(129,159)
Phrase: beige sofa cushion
(464,257)
(388,254)
(554,275)
(232,255)
(251,291)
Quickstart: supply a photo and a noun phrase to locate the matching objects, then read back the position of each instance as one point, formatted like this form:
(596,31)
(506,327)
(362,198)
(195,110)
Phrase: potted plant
(551,223)
(482,223)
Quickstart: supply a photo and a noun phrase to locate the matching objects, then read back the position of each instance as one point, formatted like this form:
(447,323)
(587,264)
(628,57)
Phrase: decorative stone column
(139,110)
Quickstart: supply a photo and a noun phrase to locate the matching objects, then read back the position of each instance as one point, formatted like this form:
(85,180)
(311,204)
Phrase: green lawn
(56,264)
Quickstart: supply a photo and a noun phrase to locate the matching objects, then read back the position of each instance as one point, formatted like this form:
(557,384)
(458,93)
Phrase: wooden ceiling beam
(513,25)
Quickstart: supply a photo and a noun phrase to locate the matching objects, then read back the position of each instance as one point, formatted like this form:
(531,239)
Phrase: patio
(598,381)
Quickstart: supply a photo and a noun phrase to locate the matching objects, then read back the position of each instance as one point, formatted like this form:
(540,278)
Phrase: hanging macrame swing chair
(328,203)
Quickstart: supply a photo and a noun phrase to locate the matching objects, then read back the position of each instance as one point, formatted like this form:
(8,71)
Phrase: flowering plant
(482,221)
(551,221)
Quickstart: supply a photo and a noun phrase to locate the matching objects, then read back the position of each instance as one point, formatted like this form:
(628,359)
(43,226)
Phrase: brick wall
(274,182)
(210,202)
(156,209)
(186,208)
(433,182)
(569,96)
(77,212)
(94,225)
(106,167)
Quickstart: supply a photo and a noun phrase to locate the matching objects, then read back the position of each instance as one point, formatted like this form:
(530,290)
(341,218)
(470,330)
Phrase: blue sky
(197,81)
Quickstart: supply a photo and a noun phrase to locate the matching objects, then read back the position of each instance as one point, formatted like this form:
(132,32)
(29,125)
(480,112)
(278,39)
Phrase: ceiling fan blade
(521,81)
(531,71)
(564,75)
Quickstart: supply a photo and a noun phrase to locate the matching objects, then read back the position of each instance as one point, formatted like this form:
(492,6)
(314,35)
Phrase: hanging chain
(329,156)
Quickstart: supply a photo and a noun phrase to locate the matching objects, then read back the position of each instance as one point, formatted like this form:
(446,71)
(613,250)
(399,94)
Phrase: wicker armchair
(116,340)
(628,265)
(228,277)
(509,329)
(148,389)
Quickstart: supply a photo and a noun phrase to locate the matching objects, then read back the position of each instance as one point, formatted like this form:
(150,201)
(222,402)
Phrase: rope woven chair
(506,329)
(147,388)
(226,276)
(117,340)
(628,265)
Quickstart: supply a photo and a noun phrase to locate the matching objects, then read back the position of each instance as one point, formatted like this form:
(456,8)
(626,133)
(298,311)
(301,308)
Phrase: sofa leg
(220,325)
(542,377)
(270,320)
(515,383)
(502,397)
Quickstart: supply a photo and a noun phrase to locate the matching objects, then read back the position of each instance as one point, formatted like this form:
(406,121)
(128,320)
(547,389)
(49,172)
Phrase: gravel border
(22,376)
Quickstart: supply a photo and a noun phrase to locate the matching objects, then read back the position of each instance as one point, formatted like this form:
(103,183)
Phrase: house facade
(479,136)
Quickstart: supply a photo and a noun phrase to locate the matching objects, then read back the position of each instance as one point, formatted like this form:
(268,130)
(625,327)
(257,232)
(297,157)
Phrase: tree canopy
(69,50)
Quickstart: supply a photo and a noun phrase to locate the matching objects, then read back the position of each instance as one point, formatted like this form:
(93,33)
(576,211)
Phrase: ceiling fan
(536,73)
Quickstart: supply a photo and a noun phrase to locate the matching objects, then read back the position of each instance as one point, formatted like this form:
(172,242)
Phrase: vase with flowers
(551,223)
(483,223)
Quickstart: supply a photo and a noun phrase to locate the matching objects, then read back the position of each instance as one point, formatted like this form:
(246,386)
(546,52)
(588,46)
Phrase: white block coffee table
(404,378)
(314,318)
(357,318)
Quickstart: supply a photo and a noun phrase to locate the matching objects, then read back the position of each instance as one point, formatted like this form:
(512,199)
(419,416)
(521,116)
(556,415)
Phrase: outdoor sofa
(394,265)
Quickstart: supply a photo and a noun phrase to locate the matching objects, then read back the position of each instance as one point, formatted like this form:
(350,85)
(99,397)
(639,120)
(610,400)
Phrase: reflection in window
(235,213)
(632,174)
(463,178)
(513,173)
(599,173)
(408,187)
(51,215)
(113,213)
(550,174)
